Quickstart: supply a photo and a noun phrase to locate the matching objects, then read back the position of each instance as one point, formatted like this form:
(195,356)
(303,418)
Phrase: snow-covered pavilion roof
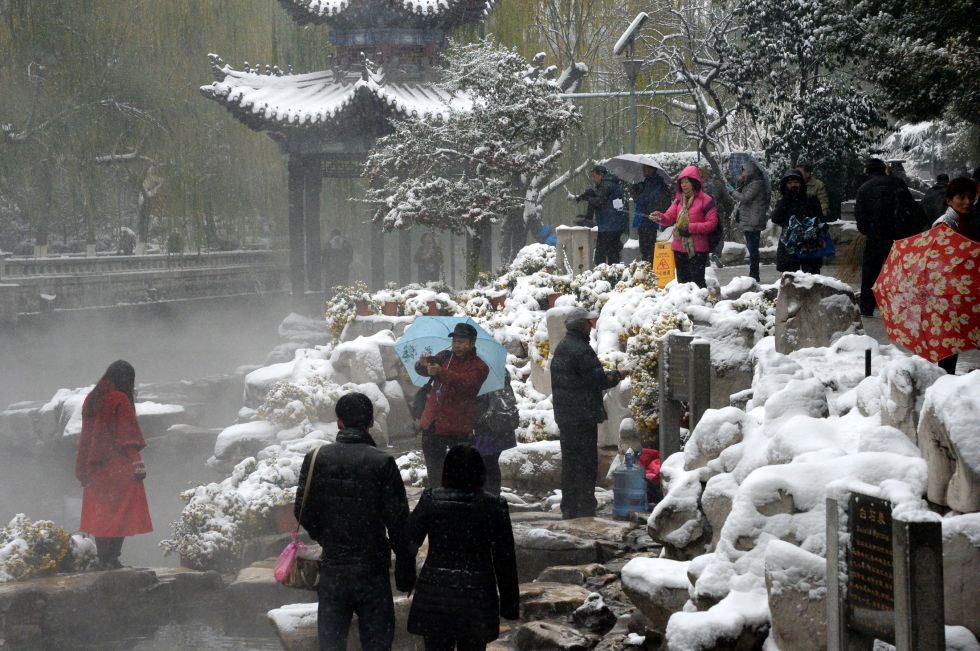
(324,11)
(322,98)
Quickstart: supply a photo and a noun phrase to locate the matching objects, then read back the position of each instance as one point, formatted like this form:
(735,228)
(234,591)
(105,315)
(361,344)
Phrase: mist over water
(164,343)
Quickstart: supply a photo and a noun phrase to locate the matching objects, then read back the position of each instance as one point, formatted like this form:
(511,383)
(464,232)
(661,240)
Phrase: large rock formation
(813,310)
(948,439)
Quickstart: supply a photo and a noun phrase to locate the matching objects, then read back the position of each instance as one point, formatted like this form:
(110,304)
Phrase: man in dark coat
(649,195)
(884,211)
(933,202)
(450,407)
(356,496)
(577,383)
(606,203)
(794,202)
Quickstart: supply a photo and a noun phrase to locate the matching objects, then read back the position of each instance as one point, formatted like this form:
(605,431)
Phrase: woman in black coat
(471,559)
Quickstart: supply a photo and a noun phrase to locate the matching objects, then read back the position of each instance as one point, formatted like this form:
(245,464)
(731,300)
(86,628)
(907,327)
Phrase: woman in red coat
(109,465)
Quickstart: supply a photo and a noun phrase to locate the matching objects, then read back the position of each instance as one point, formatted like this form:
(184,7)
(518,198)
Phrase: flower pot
(497,302)
(391,308)
(434,308)
(362,308)
(189,564)
(552,299)
(283,518)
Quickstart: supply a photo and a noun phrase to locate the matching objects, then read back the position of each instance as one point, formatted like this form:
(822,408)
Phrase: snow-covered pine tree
(478,165)
(793,66)
(922,56)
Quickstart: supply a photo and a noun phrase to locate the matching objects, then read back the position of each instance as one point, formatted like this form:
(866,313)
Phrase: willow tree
(102,116)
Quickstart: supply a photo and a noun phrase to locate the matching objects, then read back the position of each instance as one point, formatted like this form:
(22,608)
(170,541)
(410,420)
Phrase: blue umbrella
(430,334)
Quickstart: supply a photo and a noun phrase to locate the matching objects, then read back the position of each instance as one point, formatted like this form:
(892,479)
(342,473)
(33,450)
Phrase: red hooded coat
(702,214)
(114,501)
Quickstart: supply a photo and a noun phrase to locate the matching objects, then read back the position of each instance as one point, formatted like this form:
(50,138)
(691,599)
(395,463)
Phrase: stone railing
(16,268)
(35,285)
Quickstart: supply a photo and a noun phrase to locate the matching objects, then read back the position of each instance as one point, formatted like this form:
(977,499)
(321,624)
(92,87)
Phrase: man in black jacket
(577,383)
(885,211)
(933,202)
(356,495)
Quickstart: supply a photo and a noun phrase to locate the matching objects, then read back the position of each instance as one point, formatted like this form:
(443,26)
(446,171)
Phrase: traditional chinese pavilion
(383,65)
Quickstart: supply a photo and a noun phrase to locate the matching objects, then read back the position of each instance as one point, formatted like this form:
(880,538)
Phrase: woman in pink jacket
(694,216)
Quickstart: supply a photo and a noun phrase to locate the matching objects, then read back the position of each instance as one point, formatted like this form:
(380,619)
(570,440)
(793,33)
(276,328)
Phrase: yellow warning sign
(663,263)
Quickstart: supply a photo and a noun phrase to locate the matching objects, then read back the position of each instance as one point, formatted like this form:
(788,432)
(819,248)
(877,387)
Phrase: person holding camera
(606,203)
(450,408)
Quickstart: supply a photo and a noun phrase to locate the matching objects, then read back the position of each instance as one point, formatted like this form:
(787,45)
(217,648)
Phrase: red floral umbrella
(929,293)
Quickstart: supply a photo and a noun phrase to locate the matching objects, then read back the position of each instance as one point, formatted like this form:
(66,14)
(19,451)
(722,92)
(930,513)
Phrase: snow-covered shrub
(643,353)
(341,308)
(762,302)
(412,468)
(219,518)
(532,259)
(29,549)
(287,405)
(592,286)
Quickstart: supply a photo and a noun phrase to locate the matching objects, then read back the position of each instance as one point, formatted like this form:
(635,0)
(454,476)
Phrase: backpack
(899,215)
(909,219)
(500,416)
(803,237)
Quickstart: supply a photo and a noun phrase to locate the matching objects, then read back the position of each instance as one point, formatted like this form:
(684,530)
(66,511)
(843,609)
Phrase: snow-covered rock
(657,586)
(903,384)
(961,567)
(813,310)
(796,582)
(532,466)
(948,439)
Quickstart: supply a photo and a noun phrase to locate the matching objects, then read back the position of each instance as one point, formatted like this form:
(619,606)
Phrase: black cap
(465,331)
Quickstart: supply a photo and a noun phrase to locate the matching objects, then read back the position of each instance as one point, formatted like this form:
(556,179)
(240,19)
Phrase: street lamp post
(632,69)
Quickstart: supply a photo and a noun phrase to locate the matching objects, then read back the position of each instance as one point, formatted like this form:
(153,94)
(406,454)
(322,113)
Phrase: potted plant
(347,303)
(391,300)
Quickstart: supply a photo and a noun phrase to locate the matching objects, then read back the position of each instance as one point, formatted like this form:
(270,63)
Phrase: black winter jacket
(578,380)
(356,495)
(607,218)
(471,560)
(934,202)
(875,206)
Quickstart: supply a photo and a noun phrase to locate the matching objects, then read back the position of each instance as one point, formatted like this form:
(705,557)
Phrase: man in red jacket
(450,407)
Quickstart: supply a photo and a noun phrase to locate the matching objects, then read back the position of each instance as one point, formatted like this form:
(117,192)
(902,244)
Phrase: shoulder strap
(306,488)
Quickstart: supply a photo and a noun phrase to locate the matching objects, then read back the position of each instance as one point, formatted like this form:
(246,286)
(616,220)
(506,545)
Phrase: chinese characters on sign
(870,586)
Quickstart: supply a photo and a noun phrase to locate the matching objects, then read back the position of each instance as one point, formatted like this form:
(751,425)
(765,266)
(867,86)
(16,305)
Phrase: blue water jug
(629,488)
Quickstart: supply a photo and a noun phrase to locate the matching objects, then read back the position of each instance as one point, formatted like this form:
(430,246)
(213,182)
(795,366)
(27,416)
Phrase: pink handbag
(293,568)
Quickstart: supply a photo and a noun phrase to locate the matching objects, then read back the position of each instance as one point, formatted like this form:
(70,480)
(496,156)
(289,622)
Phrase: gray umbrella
(629,167)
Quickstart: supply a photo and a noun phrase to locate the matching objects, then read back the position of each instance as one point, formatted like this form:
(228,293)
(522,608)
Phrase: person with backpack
(649,195)
(606,203)
(494,431)
(801,218)
(885,211)
(695,219)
